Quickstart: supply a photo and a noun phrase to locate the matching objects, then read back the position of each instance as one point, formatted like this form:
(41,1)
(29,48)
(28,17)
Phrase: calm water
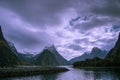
(77,74)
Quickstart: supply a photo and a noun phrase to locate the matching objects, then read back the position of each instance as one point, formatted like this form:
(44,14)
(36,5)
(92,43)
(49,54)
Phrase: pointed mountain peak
(53,46)
(1,35)
(0,27)
(119,36)
(118,41)
(95,49)
(50,47)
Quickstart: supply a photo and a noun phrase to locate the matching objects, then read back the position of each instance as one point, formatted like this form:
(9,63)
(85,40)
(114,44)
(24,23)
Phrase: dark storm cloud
(22,33)
(26,39)
(110,8)
(38,12)
(100,13)
(72,22)
(46,12)
(34,24)
(75,47)
(86,40)
(93,22)
(106,40)
(19,32)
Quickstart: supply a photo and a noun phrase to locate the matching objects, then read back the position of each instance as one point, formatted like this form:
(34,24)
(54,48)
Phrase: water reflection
(78,74)
(49,77)
(38,77)
(104,73)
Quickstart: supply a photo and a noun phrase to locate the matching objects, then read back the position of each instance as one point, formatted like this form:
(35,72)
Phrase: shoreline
(25,71)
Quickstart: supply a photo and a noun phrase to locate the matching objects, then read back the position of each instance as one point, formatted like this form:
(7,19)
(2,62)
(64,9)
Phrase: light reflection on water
(77,74)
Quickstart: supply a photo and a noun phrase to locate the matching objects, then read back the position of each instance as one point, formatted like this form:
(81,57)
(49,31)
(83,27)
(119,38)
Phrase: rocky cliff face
(7,56)
(50,57)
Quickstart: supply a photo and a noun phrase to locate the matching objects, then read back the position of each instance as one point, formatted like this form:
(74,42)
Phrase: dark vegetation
(7,56)
(25,71)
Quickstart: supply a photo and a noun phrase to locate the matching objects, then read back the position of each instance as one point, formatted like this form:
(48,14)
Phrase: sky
(73,26)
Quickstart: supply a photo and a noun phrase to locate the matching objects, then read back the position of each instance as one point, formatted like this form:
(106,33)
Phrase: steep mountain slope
(50,57)
(96,52)
(26,59)
(13,48)
(114,54)
(7,56)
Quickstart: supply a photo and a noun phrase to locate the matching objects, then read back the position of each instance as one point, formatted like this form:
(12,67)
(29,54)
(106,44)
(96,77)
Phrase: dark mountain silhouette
(96,52)
(7,56)
(114,54)
(112,59)
(50,57)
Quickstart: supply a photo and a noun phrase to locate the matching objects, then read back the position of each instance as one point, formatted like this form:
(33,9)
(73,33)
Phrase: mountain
(27,58)
(113,56)
(112,59)
(50,57)
(96,52)
(7,56)
(13,48)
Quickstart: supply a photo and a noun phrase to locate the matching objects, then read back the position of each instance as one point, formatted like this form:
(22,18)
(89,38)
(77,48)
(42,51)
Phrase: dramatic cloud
(38,12)
(73,26)
(109,8)
(75,47)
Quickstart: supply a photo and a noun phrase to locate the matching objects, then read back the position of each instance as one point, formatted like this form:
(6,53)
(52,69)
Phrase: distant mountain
(50,57)
(96,52)
(114,54)
(7,56)
(112,59)
(27,58)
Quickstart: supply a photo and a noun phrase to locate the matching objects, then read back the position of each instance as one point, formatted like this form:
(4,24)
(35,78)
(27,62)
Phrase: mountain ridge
(95,52)
(112,59)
